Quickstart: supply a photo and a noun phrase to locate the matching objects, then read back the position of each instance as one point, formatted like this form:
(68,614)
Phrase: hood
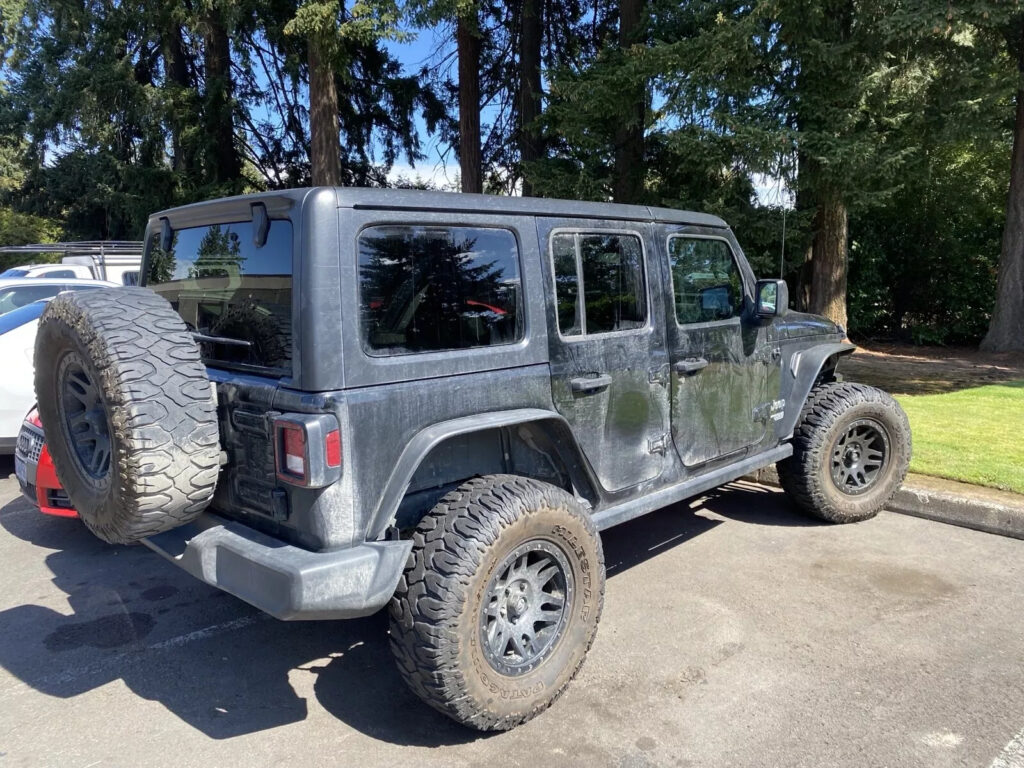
(796,324)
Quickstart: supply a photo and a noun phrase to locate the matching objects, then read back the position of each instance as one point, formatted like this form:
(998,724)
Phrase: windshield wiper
(226,340)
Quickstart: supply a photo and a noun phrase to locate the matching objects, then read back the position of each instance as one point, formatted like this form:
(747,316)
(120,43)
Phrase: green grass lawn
(974,435)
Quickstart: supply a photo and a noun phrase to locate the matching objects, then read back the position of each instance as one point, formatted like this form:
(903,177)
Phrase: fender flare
(802,372)
(427,439)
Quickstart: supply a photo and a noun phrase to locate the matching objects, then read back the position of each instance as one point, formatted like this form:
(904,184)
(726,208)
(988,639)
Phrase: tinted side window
(20,296)
(60,273)
(705,279)
(611,270)
(429,289)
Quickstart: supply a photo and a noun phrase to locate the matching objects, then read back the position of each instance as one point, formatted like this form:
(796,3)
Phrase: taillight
(33,418)
(332,448)
(307,449)
(293,444)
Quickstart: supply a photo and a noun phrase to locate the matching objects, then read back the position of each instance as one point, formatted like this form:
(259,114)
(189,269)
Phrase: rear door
(607,353)
(720,355)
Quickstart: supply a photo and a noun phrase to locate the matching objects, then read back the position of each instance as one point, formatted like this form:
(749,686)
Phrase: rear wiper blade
(221,340)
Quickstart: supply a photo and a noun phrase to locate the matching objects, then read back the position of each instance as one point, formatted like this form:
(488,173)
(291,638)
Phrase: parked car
(17,345)
(36,474)
(115,260)
(328,401)
(20,291)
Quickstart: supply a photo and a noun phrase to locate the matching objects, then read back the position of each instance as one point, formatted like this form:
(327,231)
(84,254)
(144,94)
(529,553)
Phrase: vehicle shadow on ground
(6,467)
(223,667)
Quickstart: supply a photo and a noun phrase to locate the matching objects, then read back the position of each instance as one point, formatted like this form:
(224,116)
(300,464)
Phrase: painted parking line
(1013,755)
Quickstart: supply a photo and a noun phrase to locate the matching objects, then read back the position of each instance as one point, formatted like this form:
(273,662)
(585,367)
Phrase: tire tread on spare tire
(158,410)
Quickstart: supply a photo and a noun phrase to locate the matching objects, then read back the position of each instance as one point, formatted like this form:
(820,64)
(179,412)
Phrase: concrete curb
(945,501)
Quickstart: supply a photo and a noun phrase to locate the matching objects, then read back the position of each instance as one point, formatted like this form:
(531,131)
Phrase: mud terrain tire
(490,537)
(128,411)
(834,473)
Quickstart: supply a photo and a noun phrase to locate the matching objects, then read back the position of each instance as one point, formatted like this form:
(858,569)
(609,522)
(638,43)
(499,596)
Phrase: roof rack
(92,248)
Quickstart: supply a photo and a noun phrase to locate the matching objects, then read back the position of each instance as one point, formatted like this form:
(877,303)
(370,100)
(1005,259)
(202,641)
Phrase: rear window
(14,273)
(228,290)
(430,289)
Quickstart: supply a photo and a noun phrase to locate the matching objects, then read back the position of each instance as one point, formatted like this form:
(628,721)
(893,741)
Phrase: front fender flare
(800,375)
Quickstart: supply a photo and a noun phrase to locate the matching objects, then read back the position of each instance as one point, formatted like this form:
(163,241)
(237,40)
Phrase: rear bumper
(285,581)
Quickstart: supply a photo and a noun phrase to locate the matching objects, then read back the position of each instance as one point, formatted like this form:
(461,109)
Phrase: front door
(720,355)
(608,362)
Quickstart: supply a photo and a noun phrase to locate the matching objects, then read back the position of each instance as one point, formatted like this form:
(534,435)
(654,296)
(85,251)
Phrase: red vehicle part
(50,495)
(38,479)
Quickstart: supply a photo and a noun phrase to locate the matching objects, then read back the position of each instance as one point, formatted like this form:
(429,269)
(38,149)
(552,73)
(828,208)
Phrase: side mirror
(772,298)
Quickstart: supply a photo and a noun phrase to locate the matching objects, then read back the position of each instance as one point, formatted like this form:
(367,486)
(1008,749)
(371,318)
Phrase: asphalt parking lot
(735,633)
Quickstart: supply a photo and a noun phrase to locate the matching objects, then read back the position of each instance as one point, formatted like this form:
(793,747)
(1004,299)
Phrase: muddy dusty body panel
(627,414)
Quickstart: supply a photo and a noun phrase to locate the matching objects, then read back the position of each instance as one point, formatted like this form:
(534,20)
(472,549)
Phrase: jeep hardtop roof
(420,200)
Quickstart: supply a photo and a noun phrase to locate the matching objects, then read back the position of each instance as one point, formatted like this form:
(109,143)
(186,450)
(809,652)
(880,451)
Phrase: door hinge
(658,375)
(658,444)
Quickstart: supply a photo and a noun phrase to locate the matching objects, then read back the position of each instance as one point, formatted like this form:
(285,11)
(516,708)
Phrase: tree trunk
(629,136)
(468,44)
(829,252)
(180,83)
(325,138)
(529,87)
(225,163)
(1006,329)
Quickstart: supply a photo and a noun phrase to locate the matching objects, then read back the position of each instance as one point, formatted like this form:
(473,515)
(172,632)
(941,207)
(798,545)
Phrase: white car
(17,347)
(21,291)
(53,271)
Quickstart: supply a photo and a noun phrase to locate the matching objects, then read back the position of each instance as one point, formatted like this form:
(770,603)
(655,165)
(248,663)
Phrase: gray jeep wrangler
(329,401)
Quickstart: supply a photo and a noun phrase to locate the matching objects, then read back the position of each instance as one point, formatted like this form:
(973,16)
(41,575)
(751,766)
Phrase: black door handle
(690,365)
(588,384)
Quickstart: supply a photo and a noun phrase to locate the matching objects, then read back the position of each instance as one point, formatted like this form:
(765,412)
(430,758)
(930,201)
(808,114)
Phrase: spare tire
(128,411)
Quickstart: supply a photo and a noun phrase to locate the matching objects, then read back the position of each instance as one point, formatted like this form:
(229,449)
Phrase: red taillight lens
(33,418)
(332,448)
(293,458)
(307,449)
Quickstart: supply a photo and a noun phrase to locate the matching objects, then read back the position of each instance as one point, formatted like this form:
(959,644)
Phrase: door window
(610,269)
(19,296)
(705,280)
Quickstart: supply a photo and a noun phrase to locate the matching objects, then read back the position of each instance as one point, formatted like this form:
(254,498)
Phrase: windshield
(18,317)
(235,294)
(14,273)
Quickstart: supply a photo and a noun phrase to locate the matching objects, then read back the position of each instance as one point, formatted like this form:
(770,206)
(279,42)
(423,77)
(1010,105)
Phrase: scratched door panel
(602,361)
(719,356)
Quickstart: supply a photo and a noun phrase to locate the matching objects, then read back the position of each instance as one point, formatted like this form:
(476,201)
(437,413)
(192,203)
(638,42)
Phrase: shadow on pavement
(758,505)
(223,667)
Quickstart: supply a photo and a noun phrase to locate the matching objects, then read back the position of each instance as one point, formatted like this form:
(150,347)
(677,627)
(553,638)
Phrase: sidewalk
(969,506)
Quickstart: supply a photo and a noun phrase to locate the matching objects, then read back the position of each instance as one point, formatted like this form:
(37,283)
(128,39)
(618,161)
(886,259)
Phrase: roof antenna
(782,253)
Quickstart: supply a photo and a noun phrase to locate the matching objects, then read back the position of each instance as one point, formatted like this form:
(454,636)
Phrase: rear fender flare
(549,423)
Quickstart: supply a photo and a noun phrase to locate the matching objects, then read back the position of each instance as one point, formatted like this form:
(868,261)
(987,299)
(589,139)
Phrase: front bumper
(37,476)
(283,580)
